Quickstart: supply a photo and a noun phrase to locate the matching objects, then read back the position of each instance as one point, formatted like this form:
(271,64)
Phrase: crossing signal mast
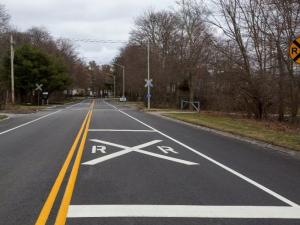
(148,81)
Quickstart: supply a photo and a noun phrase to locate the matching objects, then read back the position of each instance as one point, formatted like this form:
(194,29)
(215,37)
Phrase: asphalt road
(100,162)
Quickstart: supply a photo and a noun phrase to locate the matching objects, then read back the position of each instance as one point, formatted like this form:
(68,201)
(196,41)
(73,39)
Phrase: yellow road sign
(294,50)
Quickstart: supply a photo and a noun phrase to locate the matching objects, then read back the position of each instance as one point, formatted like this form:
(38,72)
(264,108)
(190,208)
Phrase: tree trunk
(280,84)
(294,105)
(259,109)
(294,95)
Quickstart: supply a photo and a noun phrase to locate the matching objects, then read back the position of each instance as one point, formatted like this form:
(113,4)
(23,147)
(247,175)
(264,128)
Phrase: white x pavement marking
(137,148)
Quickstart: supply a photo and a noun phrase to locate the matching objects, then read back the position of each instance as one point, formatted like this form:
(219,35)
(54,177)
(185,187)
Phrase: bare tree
(282,19)
(239,64)
(194,39)
(4,40)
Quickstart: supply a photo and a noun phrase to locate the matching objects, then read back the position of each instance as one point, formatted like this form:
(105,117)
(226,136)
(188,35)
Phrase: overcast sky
(79,19)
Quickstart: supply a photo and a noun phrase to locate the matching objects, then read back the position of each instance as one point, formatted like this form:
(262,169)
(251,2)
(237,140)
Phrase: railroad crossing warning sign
(148,83)
(294,50)
(38,87)
(138,149)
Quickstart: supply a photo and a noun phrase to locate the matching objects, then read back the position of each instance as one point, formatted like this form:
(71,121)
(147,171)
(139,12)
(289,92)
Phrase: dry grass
(22,108)
(2,117)
(276,133)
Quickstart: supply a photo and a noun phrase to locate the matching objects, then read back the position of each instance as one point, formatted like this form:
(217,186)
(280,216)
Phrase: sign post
(12,55)
(148,85)
(148,82)
(39,89)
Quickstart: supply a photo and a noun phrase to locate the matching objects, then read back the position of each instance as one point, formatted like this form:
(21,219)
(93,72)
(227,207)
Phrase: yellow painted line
(44,214)
(63,210)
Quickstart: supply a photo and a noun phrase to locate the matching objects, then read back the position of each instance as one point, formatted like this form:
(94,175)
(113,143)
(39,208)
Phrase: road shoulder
(253,141)
(3,117)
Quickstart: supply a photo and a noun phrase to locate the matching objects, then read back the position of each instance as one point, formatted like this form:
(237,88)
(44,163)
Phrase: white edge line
(112,105)
(32,121)
(243,177)
(73,105)
(184,211)
(37,119)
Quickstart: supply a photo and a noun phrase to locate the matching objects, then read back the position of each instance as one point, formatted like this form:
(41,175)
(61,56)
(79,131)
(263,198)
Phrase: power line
(104,41)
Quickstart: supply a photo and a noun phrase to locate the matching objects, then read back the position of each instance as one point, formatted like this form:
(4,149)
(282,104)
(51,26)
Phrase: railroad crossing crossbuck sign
(148,83)
(138,149)
(295,50)
(38,87)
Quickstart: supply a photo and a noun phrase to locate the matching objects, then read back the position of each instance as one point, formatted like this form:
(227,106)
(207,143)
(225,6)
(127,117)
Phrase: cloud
(77,19)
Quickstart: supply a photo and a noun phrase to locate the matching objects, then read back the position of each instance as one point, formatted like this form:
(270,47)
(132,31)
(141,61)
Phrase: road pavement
(102,162)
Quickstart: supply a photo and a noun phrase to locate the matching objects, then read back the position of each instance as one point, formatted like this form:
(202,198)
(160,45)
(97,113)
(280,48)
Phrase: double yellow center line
(63,210)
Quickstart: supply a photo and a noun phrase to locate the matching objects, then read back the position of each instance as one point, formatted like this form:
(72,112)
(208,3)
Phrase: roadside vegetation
(231,55)
(22,109)
(39,58)
(2,117)
(281,134)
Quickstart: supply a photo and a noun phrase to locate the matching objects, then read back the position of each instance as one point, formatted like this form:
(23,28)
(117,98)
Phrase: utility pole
(148,91)
(114,86)
(12,54)
(123,81)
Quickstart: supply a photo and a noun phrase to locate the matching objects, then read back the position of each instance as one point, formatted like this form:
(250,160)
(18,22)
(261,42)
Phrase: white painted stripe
(32,121)
(134,149)
(111,105)
(71,106)
(249,180)
(106,157)
(166,157)
(119,130)
(116,154)
(184,211)
(126,151)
